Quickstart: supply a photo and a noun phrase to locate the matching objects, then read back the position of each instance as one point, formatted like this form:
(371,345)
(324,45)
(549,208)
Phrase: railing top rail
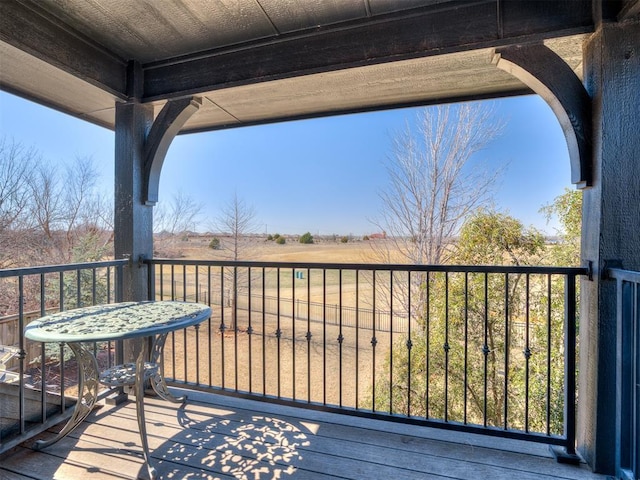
(621,274)
(13,272)
(381,267)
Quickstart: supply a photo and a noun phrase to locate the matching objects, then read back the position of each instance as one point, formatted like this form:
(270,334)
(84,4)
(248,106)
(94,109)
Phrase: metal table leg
(142,426)
(157,378)
(87,393)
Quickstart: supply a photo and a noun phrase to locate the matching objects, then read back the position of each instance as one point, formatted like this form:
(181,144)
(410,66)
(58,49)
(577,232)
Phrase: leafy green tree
(471,356)
(306,238)
(568,209)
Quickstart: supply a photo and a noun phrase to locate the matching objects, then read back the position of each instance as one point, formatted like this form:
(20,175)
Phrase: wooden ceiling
(257,61)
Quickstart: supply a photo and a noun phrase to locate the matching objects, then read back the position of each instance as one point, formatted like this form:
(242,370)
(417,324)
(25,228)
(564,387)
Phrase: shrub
(365,238)
(280,240)
(214,244)
(276,236)
(306,238)
(269,238)
(344,239)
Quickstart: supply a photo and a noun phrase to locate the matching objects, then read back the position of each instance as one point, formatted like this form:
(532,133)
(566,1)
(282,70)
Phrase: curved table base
(87,393)
(128,374)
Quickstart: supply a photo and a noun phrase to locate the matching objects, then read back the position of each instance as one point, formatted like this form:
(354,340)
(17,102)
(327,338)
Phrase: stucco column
(133,219)
(611,227)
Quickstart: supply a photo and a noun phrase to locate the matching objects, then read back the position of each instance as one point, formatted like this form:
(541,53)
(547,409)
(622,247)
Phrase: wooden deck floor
(215,437)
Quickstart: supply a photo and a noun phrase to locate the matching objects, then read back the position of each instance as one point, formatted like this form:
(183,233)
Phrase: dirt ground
(319,368)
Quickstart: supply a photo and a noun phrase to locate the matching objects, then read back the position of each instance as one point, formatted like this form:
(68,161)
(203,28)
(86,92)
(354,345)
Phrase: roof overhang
(274,60)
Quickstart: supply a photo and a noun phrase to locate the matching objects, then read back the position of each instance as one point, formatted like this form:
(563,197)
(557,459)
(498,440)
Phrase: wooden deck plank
(220,437)
(7,475)
(343,439)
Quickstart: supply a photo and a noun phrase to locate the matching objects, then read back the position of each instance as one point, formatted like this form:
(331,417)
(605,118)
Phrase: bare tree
(172,221)
(69,211)
(436,180)
(237,219)
(178,216)
(16,165)
(48,215)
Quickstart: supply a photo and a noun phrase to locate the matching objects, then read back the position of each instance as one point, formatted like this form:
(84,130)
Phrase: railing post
(568,455)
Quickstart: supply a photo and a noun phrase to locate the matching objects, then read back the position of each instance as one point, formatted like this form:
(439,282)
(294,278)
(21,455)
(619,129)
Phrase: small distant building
(378,235)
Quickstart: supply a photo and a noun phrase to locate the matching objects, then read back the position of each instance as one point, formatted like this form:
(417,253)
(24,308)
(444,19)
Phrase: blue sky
(322,175)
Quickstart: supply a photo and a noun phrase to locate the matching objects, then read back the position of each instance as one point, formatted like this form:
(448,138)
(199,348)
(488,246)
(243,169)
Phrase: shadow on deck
(214,436)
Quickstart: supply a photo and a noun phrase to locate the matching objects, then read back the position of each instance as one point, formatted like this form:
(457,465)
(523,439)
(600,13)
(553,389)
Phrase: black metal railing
(483,349)
(37,380)
(627,372)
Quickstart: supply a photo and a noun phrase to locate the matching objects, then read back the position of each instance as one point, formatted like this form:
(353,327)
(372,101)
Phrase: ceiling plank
(456,26)
(43,36)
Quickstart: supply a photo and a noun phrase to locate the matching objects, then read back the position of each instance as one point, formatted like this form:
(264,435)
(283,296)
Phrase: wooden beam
(549,76)
(34,31)
(164,129)
(443,28)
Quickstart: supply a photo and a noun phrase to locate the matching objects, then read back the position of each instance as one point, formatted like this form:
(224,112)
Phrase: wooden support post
(611,222)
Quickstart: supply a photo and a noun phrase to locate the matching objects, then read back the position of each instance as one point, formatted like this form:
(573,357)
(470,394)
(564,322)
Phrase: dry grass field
(323,250)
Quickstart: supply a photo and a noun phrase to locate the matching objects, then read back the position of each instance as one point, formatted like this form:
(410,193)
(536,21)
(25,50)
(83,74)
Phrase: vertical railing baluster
(466,345)
(340,337)
(222,328)
(527,355)
(409,343)
(78,288)
(250,329)
(264,335)
(161,282)
(374,342)
(197,328)
(506,351)
(61,292)
(185,354)
(485,349)
(209,327)
(390,341)
(427,340)
(22,355)
(357,337)
(151,281)
(324,336)
(93,286)
(63,401)
(43,364)
(184,283)
(570,363)
(235,326)
(308,336)
(278,330)
(293,333)
(446,346)
(549,364)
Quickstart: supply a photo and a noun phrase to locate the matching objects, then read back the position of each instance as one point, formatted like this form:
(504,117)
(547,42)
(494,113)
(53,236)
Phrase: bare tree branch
(436,179)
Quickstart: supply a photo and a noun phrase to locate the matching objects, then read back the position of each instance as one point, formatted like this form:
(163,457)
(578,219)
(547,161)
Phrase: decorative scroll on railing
(483,349)
(37,381)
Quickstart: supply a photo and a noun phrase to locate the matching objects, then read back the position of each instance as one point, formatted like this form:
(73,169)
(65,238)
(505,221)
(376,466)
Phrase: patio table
(114,322)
